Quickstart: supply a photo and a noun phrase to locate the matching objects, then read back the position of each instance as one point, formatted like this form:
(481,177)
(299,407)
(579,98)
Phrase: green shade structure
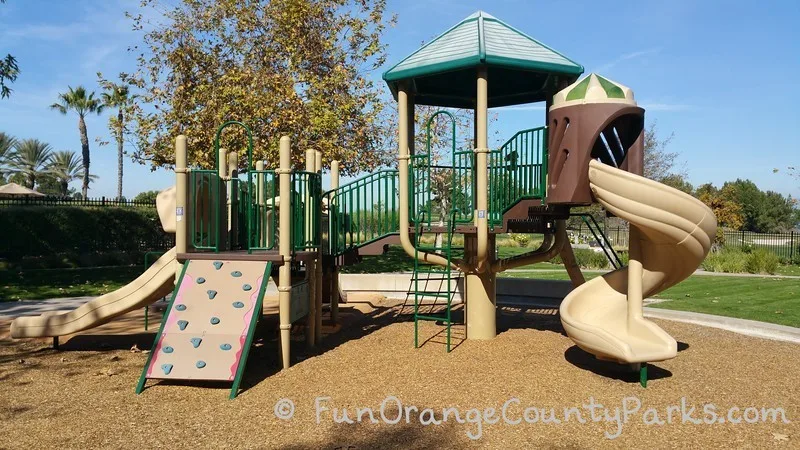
(520,68)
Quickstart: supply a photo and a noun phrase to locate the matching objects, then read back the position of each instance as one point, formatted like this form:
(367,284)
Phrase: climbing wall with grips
(210,321)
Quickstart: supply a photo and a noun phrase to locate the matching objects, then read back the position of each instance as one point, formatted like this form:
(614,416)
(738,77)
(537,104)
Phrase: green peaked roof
(593,88)
(482,40)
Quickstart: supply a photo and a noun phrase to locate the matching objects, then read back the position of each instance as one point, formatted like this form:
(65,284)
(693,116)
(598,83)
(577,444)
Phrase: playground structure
(239,222)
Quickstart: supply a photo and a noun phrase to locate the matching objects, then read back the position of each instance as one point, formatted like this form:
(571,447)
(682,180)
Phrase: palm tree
(66,167)
(7,143)
(82,103)
(31,159)
(117,96)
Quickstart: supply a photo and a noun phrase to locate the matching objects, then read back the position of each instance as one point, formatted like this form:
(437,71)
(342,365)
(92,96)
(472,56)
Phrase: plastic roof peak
(513,58)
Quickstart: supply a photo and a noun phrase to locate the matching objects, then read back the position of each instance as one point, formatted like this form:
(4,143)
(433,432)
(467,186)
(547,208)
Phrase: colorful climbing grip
(217,265)
(196,342)
(247,287)
(236,274)
(166,368)
(238,305)
(182,324)
(200,364)
(181,307)
(225,346)
(214,320)
(201,280)
(168,349)
(211,294)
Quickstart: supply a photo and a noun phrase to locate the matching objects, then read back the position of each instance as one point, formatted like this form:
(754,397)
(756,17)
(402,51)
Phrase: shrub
(586,259)
(728,260)
(762,261)
(69,236)
(520,239)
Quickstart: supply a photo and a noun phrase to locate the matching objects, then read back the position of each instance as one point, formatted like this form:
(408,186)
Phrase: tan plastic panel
(207,325)
(155,283)
(671,234)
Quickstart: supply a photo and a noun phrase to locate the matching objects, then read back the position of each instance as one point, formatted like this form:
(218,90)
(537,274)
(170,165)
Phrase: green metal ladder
(444,275)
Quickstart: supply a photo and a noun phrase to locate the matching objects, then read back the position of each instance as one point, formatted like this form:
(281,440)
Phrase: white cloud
(670,107)
(627,57)
(519,108)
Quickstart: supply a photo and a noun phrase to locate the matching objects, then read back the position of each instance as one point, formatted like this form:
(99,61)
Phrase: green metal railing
(264,213)
(601,239)
(306,210)
(518,170)
(449,180)
(205,205)
(363,211)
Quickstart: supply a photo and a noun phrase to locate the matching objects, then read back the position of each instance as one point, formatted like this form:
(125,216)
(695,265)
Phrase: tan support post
(334,270)
(222,197)
(479,280)
(635,278)
(573,269)
(311,267)
(318,266)
(260,216)
(233,198)
(403,147)
(285,248)
(181,198)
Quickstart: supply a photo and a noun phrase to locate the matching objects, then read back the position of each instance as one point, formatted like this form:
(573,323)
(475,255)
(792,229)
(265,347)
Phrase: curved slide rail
(153,284)
(671,234)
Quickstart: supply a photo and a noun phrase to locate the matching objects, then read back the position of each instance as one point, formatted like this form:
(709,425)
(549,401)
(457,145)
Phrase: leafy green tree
(7,144)
(678,182)
(9,70)
(82,103)
(659,162)
(727,211)
(146,197)
(117,96)
(65,167)
(31,159)
(306,67)
(762,212)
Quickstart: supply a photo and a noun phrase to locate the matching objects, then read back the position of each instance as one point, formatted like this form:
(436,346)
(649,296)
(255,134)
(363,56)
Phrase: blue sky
(720,75)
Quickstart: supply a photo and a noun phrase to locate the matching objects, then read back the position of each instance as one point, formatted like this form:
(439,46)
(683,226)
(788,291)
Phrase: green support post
(643,375)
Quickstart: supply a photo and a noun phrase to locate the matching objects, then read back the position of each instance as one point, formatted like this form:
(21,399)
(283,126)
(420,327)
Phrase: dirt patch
(84,396)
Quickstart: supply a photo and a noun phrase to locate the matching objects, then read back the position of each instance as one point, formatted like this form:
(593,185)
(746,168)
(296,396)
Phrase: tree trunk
(85,154)
(64,188)
(120,143)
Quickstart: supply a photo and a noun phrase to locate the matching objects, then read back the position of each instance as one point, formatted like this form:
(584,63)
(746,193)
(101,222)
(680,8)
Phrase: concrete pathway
(10,310)
(696,272)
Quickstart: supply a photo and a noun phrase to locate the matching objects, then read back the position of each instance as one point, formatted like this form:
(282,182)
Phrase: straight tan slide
(156,282)
(671,233)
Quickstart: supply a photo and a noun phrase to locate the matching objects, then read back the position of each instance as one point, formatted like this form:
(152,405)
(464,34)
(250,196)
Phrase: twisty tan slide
(153,284)
(671,234)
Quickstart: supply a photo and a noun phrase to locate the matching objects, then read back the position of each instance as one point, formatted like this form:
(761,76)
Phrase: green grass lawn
(774,300)
(793,270)
(396,260)
(42,284)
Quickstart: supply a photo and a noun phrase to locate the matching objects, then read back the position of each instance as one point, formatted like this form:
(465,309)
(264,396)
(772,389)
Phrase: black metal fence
(617,236)
(785,245)
(66,201)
